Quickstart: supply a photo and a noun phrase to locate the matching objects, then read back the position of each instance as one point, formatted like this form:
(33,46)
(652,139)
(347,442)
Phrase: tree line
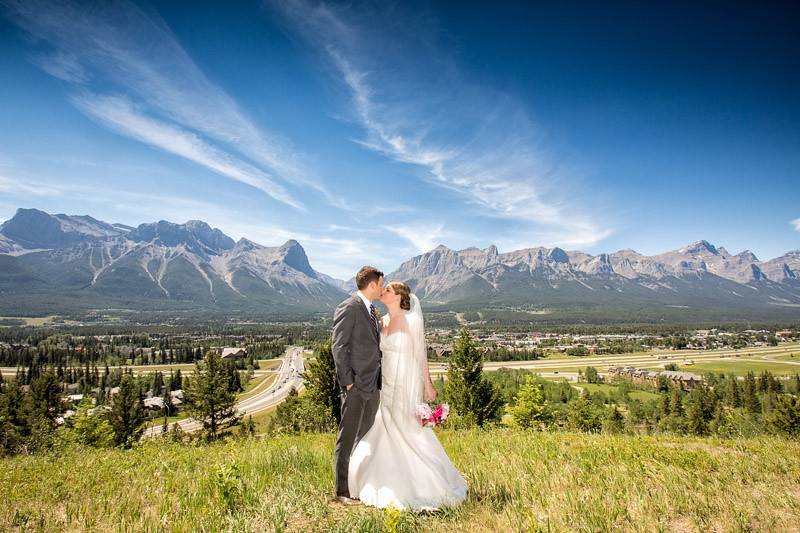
(33,410)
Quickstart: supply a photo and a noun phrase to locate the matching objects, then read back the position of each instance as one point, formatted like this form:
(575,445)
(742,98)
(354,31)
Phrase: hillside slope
(518,481)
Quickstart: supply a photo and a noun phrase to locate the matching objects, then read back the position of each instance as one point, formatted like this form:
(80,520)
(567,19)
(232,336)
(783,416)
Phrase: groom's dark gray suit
(357,356)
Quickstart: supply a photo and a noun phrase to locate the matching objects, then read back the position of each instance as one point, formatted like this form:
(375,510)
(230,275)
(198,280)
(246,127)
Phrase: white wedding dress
(399,463)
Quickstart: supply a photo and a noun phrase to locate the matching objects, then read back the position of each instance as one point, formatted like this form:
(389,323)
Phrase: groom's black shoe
(345,500)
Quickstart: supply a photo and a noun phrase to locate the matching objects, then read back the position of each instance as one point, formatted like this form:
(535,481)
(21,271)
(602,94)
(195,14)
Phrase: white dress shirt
(366,301)
(369,308)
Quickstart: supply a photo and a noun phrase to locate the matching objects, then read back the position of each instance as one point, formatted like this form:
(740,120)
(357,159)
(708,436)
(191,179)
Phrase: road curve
(289,376)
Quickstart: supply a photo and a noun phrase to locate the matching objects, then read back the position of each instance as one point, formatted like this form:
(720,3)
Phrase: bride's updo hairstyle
(404,291)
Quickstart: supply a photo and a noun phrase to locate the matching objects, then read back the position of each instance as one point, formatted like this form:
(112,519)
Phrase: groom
(357,356)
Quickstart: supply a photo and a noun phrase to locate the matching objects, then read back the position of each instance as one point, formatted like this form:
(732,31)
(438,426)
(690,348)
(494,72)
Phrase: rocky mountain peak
(701,247)
(195,235)
(295,256)
(558,255)
(32,228)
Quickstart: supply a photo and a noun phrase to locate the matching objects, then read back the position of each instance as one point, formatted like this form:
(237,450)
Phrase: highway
(289,376)
(659,358)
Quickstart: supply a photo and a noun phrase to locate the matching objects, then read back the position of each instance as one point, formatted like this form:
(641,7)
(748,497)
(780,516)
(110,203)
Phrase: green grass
(159,421)
(794,356)
(269,364)
(741,367)
(257,385)
(518,482)
(609,389)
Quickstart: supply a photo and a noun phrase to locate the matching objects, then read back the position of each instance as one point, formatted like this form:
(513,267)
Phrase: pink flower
(432,417)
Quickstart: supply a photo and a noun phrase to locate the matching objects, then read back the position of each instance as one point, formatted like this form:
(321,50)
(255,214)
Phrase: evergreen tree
(46,395)
(614,421)
(176,381)
(584,415)
(127,412)
(666,402)
(733,395)
(156,384)
(528,409)
(469,394)
(320,382)
(591,375)
(15,418)
(208,398)
(763,382)
(700,410)
(785,417)
(676,402)
(169,408)
(248,427)
(234,380)
(92,430)
(750,394)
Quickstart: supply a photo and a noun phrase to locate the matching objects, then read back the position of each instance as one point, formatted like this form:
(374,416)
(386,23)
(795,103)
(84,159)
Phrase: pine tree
(127,412)
(583,415)
(750,396)
(666,408)
(156,384)
(469,394)
(697,411)
(208,398)
(248,427)
(46,395)
(785,417)
(320,382)
(234,380)
(528,408)
(733,393)
(676,402)
(92,430)
(176,381)
(614,421)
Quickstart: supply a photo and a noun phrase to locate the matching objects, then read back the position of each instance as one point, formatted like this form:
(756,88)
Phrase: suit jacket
(356,346)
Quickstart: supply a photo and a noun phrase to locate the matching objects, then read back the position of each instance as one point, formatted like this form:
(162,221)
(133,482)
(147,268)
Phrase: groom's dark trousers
(357,356)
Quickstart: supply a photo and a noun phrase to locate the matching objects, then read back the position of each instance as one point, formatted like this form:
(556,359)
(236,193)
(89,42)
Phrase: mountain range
(65,263)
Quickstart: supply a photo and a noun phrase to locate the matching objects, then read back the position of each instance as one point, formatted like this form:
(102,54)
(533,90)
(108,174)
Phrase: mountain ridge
(161,264)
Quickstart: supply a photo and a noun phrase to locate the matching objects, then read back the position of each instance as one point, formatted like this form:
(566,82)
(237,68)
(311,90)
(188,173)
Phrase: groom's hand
(348,387)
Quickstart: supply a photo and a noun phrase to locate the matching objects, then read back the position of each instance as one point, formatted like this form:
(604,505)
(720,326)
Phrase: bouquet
(430,417)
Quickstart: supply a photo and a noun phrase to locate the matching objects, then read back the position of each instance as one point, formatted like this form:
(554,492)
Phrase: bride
(398,462)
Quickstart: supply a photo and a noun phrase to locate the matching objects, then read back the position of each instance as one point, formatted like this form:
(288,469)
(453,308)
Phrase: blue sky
(372,132)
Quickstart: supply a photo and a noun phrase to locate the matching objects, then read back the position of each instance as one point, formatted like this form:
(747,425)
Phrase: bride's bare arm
(430,392)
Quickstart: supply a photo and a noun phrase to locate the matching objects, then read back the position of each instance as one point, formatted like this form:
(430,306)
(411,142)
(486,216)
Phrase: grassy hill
(518,482)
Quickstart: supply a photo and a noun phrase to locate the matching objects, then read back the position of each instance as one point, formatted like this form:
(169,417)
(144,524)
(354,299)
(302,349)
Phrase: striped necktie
(374,315)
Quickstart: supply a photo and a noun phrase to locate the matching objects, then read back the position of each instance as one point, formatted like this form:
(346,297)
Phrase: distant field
(741,367)
(608,389)
(518,481)
(787,357)
(31,321)
(269,364)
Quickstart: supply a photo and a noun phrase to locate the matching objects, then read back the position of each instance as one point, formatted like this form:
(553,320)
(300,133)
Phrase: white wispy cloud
(471,140)
(796,224)
(120,115)
(12,185)
(115,47)
(423,236)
